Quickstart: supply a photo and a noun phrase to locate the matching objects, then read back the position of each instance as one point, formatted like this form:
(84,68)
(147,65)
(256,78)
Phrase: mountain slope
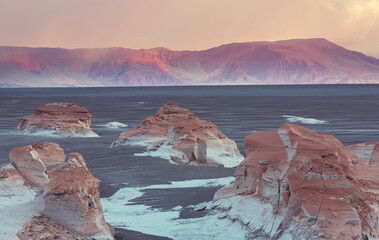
(298,61)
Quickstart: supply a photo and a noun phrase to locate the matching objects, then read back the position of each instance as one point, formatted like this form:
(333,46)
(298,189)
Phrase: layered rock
(27,161)
(72,198)
(65,204)
(42,227)
(51,154)
(298,184)
(177,134)
(64,119)
(368,152)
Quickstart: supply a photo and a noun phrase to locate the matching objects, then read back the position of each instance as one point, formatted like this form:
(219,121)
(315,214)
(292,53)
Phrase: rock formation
(65,119)
(298,184)
(368,152)
(177,134)
(51,154)
(72,199)
(42,227)
(32,161)
(26,160)
(59,199)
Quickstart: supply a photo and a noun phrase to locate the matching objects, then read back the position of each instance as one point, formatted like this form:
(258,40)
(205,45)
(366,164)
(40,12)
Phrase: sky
(187,24)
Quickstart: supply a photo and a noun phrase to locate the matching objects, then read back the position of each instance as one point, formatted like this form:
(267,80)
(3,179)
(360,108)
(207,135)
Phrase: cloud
(195,24)
(356,24)
(363,9)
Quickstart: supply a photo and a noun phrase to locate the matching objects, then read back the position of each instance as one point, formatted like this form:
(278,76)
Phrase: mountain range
(296,61)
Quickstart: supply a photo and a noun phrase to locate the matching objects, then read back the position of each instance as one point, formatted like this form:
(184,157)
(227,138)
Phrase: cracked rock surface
(45,197)
(298,184)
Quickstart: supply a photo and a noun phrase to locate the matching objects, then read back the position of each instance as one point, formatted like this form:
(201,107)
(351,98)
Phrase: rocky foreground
(177,134)
(63,119)
(298,184)
(42,196)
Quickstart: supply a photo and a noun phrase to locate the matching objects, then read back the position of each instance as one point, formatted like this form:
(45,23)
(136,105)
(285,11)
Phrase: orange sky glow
(180,24)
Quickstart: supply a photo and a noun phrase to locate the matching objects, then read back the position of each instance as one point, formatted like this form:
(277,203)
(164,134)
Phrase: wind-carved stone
(177,134)
(298,184)
(64,119)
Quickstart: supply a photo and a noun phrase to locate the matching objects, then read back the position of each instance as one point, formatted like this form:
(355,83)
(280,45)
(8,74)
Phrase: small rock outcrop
(64,119)
(115,125)
(177,134)
(368,152)
(298,184)
(62,199)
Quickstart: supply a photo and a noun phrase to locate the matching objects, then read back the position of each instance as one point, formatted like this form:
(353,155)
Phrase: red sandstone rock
(177,134)
(51,154)
(74,160)
(70,201)
(42,227)
(65,119)
(298,184)
(27,162)
(368,152)
(34,161)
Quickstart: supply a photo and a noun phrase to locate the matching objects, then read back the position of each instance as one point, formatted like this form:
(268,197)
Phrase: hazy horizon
(181,25)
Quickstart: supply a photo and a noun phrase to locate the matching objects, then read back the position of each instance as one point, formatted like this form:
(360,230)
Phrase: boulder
(64,119)
(34,161)
(72,200)
(74,160)
(298,184)
(59,201)
(177,134)
(27,161)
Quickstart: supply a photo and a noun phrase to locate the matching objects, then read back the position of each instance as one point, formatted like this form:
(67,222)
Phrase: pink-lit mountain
(298,61)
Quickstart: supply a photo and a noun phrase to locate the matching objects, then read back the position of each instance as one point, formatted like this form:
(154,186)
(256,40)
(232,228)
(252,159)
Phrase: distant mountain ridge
(297,61)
